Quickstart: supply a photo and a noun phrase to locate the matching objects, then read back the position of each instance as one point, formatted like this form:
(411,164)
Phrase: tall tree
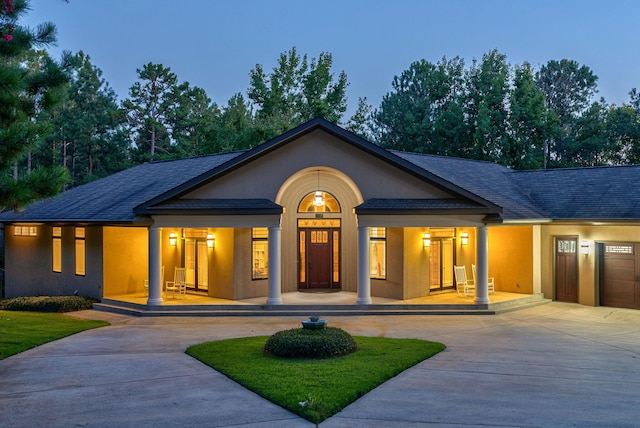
(530,122)
(147,110)
(568,88)
(486,109)
(424,112)
(89,138)
(296,91)
(25,93)
(191,117)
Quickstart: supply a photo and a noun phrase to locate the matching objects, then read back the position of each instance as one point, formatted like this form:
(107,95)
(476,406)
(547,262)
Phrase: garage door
(620,275)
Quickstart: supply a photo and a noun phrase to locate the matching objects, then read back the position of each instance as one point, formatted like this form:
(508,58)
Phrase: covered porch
(323,304)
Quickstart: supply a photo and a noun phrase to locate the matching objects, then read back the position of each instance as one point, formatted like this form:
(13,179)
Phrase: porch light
(464,238)
(211,241)
(173,239)
(319,200)
(426,240)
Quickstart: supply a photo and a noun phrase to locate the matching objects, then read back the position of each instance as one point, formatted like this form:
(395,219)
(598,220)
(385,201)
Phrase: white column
(482,266)
(275,266)
(364,273)
(155,266)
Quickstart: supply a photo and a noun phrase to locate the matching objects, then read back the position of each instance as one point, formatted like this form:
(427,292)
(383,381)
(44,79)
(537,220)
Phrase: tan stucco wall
(511,258)
(416,263)
(244,287)
(29,269)
(391,287)
(587,288)
(221,263)
(126,260)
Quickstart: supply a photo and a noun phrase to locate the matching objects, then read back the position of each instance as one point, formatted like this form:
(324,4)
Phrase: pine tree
(25,93)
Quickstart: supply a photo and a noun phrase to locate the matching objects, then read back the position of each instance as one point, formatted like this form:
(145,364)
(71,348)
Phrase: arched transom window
(319,201)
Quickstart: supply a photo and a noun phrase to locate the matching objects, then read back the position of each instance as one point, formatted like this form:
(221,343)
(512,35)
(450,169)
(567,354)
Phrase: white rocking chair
(462,283)
(490,281)
(178,284)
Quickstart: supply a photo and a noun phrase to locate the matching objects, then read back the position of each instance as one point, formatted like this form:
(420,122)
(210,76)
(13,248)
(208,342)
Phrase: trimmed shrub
(47,303)
(326,342)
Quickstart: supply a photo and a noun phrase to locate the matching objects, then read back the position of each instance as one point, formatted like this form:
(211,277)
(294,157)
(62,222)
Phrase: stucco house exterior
(321,209)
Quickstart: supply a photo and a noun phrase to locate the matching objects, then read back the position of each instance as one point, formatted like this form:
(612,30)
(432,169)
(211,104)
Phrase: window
(25,231)
(260,253)
(378,252)
(80,251)
(57,249)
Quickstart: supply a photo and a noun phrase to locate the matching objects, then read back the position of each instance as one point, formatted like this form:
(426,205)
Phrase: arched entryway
(319,231)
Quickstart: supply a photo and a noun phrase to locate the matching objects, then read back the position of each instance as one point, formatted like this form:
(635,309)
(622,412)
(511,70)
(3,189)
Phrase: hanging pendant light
(319,199)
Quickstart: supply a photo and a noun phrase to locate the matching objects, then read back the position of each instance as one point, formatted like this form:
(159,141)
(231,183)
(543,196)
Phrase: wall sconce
(586,247)
(211,241)
(426,240)
(464,238)
(173,239)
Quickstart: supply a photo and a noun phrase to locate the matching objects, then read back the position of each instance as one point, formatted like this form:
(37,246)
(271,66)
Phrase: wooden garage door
(620,275)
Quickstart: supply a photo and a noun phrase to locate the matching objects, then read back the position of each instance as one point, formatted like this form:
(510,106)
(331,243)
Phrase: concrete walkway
(553,365)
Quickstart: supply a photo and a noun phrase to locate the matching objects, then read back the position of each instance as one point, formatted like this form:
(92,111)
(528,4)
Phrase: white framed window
(378,252)
(259,253)
(57,249)
(80,251)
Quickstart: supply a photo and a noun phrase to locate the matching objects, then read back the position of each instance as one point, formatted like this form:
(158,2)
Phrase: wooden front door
(567,269)
(319,255)
(620,275)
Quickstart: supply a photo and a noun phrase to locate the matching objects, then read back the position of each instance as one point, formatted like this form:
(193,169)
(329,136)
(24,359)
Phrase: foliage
(331,383)
(48,303)
(20,331)
(326,342)
(30,85)
(147,110)
(296,91)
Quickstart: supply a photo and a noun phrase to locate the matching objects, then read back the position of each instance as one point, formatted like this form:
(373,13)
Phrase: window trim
(81,250)
(264,239)
(378,239)
(56,242)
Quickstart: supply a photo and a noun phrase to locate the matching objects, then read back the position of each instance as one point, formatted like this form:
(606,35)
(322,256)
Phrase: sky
(214,44)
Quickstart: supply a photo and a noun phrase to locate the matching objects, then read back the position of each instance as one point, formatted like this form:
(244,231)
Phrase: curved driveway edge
(551,365)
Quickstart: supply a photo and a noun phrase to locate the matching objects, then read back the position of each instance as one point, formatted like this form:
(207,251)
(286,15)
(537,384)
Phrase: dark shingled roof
(598,193)
(488,180)
(113,198)
(216,206)
(419,206)
(603,193)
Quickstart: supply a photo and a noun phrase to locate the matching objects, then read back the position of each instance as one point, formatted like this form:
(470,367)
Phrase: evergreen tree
(26,94)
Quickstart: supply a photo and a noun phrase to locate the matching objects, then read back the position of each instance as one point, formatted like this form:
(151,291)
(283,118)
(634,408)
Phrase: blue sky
(214,44)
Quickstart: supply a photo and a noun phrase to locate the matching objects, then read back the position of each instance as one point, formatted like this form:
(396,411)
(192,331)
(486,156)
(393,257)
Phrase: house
(320,209)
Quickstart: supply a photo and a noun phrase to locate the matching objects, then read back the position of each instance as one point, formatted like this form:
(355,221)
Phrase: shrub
(326,342)
(47,303)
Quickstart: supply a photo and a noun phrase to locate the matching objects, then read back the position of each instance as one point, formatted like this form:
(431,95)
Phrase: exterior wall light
(173,239)
(464,238)
(586,247)
(211,241)
(426,240)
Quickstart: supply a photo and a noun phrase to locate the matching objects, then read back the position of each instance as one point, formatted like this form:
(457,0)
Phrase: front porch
(323,304)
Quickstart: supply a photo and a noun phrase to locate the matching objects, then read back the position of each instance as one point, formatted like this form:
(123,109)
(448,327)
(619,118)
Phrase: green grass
(20,331)
(326,385)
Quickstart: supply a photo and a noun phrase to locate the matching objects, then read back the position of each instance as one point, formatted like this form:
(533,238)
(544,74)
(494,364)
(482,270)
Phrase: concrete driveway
(548,366)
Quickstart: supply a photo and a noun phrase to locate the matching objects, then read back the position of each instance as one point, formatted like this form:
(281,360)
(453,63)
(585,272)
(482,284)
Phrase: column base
(157,301)
(481,301)
(274,301)
(363,301)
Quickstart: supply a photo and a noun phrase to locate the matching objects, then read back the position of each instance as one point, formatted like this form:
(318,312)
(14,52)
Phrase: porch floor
(343,301)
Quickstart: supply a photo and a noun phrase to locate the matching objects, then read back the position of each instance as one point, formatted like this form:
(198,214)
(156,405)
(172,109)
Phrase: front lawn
(20,331)
(315,389)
